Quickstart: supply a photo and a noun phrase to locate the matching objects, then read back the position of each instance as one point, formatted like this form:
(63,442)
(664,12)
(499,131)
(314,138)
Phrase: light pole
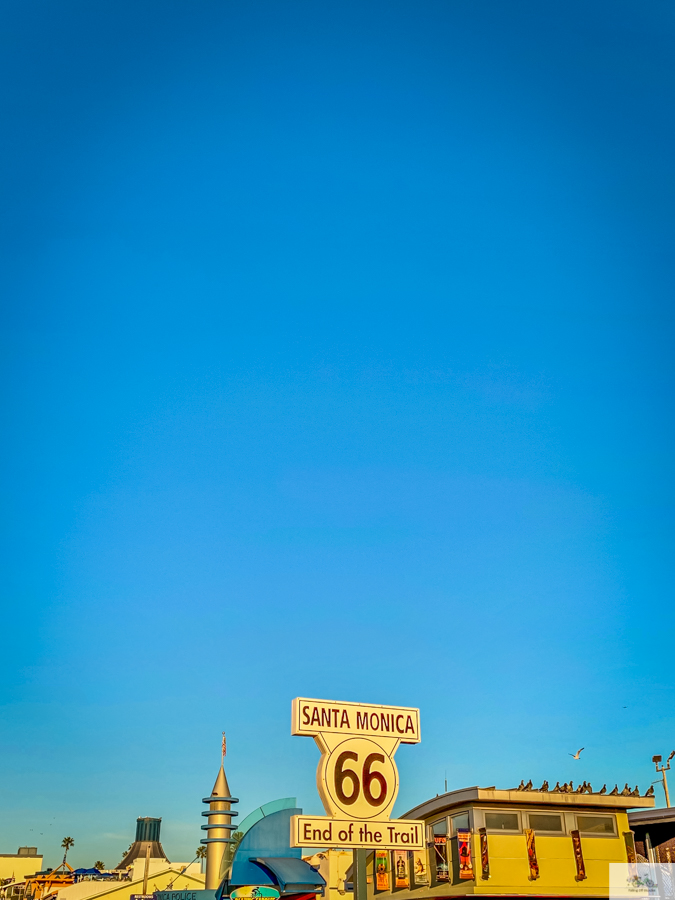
(663,769)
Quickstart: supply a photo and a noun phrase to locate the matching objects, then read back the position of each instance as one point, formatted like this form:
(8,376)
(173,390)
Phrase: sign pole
(359,875)
(146,869)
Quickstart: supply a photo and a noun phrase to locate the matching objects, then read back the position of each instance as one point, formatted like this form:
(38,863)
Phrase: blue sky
(337,362)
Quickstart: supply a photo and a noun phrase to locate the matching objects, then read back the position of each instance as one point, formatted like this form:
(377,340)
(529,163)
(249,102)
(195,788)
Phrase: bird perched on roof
(589,788)
(557,789)
(581,789)
(521,786)
(528,786)
(603,789)
(650,791)
(635,792)
(577,754)
(615,791)
(544,787)
(626,790)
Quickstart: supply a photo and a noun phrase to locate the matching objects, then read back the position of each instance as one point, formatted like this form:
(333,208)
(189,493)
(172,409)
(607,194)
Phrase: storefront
(510,842)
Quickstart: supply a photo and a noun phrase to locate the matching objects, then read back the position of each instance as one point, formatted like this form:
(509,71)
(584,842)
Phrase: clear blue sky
(337,362)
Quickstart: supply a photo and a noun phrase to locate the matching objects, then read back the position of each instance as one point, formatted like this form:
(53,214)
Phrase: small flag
(224,747)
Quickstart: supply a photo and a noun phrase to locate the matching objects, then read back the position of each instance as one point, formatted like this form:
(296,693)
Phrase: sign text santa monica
(312,717)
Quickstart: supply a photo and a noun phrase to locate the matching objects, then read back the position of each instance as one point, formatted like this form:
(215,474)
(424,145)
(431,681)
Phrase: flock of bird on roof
(584,788)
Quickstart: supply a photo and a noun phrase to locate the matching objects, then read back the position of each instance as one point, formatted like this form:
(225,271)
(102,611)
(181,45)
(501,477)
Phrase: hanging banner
(532,854)
(578,855)
(629,840)
(382,870)
(441,857)
(420,868)
(484,855)
(464,853)
(401,879)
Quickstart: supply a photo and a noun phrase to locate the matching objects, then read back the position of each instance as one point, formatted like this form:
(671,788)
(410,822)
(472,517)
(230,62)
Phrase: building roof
(292,875)
(138,850)
(520,798)
(221,788)
(652,816)
(172,873)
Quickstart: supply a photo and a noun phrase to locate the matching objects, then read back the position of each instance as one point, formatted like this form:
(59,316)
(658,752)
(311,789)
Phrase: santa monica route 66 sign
(357,777)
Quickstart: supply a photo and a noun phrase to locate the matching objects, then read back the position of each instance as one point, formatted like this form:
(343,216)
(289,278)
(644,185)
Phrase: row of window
(515,821)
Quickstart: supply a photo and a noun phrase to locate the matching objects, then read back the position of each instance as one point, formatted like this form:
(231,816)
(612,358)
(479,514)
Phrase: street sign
(312,717)
(357,777)
(179,895)
(384,834)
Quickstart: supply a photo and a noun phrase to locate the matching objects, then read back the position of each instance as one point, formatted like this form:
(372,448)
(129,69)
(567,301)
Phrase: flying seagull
(577,754)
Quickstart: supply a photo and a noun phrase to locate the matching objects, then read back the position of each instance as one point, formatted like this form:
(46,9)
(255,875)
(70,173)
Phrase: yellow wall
(510,871)
(19,866)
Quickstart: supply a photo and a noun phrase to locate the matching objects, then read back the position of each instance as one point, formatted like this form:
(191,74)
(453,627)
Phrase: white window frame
(452,832)
(595,834)
(517,812)
(435,822)
(547,812)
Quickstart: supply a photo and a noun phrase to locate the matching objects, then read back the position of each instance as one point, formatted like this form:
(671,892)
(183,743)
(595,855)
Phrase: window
(596,824)
(439,831)
(461,820)
(502,821)
(545,822)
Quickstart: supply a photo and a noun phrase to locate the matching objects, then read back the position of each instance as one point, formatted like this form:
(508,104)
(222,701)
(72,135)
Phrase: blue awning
(293,875)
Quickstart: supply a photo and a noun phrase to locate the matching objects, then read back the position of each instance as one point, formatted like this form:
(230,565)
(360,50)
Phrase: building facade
(520,842)
(15,867)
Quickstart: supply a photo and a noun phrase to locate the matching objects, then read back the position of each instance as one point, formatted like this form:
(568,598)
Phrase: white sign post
(357,777)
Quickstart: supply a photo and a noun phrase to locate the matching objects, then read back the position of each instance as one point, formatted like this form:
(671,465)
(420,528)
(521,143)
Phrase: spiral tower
(218,827)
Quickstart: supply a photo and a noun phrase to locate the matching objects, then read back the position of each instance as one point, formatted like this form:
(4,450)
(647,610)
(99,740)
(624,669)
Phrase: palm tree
(66,843)
(230,851)
(99,864)
(200,854)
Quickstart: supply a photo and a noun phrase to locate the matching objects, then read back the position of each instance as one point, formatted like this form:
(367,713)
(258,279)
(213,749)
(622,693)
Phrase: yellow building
(520,842)
(16,866)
